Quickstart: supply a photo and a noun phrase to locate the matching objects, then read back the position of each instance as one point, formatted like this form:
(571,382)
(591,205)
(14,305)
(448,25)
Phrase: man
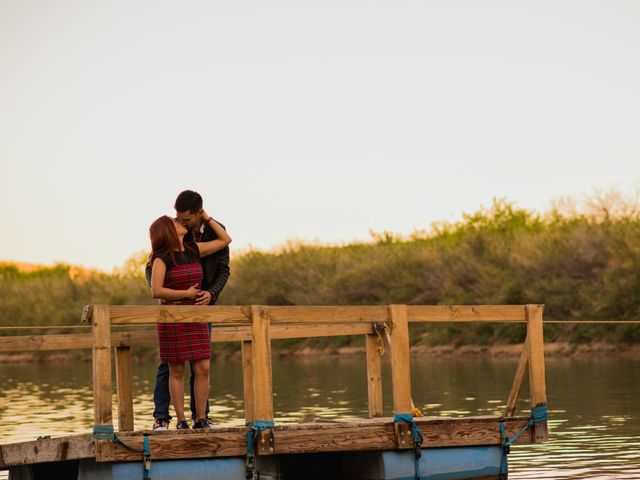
(215,275)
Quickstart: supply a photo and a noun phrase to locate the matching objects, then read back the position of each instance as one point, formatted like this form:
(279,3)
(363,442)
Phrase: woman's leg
(176,388)
(201,386)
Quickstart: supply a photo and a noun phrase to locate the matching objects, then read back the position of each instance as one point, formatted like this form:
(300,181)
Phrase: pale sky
(315,120)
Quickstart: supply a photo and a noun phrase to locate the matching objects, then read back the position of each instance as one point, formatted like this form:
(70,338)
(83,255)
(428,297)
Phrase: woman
(176,278)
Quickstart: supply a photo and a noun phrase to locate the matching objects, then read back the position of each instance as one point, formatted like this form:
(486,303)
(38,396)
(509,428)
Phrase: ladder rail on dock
(255,326)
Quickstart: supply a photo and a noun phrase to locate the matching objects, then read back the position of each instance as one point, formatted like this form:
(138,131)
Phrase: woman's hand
(223,239)
(192,292)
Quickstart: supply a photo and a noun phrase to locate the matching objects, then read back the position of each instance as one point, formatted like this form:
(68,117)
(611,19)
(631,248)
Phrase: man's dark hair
(188,200)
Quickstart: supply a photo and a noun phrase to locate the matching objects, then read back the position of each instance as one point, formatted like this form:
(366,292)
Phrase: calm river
(594,404)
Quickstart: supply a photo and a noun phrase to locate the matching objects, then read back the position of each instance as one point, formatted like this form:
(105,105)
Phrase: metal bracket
(266,442)
(87,314)
(404,440)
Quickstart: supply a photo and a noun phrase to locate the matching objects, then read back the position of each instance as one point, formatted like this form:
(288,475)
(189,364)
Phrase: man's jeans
(162,399)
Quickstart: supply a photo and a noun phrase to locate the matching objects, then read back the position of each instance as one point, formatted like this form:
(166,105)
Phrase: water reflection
(595,418)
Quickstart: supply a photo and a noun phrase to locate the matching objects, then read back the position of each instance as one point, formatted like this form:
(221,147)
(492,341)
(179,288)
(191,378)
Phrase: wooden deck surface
(314,437)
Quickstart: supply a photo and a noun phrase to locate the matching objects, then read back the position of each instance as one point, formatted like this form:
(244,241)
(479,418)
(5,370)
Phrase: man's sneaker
(160,424)
(202,423)
(210,422)
(183,425)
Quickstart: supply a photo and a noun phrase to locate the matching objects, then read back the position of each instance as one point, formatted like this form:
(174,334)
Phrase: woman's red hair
(164,239)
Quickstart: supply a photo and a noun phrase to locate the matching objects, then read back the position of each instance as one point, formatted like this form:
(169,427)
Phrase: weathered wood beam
(124,387)
(32,343)
(537,382)
(374,376)
(47,450)
(521,369)
(466,313)
(247,382)
(133,314)
(306,330)
(328,314)
(262,377)
(102,383)
(180,445)
(400,359)
(358,434)
(220,334)
(318,438)
(401,372)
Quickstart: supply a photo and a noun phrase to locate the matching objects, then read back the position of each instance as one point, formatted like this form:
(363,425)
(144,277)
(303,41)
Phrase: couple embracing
(188,265)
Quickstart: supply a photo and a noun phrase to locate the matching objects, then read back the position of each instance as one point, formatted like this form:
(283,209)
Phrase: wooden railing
(255,326)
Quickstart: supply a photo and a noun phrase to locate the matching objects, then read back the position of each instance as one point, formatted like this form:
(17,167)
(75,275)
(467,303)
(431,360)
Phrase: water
(594,405)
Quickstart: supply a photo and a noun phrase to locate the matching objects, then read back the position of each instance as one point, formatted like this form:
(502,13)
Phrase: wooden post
(537,384)
(247,382)
(102,406)
(102,409)
(262,377)
(374,376)
(517,380)
(400,372)
(123,386)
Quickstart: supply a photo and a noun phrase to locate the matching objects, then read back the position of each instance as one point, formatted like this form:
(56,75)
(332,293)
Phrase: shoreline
(551,350)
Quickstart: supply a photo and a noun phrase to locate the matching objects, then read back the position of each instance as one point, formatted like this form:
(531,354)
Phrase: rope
(146,459)
(254,431)
(505,452)
(416,434)
(117,439)
(539,413)
(380,328)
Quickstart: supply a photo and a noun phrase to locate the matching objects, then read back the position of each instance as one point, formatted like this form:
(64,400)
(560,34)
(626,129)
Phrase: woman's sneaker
(183,425)
(202,423)
(160,424)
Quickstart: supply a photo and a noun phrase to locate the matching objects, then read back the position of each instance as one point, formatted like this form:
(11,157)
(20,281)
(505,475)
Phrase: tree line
(583,265)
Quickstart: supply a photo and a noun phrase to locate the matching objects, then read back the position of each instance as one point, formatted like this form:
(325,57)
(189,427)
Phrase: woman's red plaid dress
(184,342)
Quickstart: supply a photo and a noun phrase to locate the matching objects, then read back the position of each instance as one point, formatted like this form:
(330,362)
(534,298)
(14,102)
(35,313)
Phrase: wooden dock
(255,327)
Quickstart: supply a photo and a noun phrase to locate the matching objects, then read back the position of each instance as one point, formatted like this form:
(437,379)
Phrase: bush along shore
(581,265)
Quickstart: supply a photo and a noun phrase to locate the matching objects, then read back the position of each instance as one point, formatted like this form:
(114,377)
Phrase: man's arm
(222,275)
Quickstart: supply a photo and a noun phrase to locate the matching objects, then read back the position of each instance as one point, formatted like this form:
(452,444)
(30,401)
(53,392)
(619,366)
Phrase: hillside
(580,265)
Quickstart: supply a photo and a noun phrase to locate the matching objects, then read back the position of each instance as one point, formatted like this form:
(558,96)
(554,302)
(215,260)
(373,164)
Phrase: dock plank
(132,314)
(466,313)
(220,334)
(47,450)
(316,437)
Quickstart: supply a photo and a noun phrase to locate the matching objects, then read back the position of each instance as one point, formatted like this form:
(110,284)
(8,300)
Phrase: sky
(319,121)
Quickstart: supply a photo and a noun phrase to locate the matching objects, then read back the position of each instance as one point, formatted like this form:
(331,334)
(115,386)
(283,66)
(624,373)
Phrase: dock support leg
(400,372)
(374,376)
(102,382)
(123,386)
(247,380)
(537,382)
(262,378)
